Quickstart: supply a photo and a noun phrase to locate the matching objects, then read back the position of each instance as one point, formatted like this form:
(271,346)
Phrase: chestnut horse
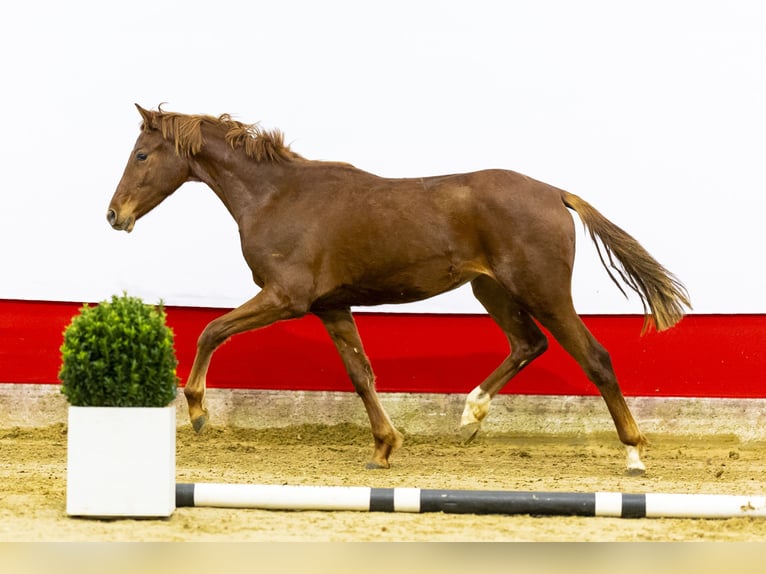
(321,237)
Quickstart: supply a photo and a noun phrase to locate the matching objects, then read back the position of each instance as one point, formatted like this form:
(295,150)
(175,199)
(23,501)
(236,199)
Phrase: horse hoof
(636,467)
(372,465)
(469,431)
(199,423)
(635,471)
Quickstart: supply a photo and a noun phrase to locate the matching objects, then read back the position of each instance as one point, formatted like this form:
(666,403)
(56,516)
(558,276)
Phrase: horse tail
(660,291)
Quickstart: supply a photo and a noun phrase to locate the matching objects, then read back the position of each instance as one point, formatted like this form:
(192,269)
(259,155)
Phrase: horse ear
(145,114)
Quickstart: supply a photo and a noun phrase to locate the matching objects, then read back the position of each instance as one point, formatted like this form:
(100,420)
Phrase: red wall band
(704,356)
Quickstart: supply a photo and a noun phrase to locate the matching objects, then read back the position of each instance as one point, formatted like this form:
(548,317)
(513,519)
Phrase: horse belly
(395,287)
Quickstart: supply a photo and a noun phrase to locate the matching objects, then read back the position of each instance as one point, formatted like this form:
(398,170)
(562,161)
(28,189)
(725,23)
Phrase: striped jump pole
(615,504)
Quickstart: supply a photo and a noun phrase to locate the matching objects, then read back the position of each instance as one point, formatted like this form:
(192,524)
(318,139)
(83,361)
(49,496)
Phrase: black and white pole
(615,504)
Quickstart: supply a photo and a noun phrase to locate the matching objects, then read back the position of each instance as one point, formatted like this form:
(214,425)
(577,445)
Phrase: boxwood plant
(119,353)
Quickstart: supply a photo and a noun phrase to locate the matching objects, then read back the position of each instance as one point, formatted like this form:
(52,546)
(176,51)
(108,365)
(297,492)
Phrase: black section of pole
(503,502)
(382,500)
(184,495)
(633,506)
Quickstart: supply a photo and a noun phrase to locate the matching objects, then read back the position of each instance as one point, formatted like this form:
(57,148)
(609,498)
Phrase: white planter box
(121,461)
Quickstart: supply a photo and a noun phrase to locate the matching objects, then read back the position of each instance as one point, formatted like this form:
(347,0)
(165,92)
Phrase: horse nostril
(111,217)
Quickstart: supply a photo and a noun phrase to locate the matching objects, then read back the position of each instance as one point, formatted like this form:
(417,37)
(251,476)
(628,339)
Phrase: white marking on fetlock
(635,465)
(476,407)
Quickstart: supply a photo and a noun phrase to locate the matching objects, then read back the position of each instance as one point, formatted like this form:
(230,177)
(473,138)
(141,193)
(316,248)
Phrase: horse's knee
(362,378)
(209,339)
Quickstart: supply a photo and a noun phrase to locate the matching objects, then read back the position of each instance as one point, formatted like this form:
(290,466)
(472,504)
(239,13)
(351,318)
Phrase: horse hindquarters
(534,274)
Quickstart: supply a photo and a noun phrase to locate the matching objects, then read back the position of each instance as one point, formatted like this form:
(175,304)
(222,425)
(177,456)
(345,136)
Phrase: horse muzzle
(124,225)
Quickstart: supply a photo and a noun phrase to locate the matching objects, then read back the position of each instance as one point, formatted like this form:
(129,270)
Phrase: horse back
(366,240)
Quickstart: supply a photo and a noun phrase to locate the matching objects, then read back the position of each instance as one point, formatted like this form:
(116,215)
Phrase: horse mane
(185,130)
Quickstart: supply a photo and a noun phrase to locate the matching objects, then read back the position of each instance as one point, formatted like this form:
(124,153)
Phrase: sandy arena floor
(33,475)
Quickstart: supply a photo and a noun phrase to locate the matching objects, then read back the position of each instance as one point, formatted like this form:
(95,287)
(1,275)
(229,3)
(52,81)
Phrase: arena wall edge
(28,405)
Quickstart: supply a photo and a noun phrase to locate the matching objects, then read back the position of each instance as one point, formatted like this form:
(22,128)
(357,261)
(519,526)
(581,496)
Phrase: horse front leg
(343,332)
(269,306)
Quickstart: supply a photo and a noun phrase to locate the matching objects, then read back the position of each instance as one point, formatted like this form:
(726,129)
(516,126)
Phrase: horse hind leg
(569,330)
(343,332)
(526,341)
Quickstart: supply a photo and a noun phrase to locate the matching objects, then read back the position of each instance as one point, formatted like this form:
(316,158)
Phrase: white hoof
(636,466)
(469,431)
(476,409)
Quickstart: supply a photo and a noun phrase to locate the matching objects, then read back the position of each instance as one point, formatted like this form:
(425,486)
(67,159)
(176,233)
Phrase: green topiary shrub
(119,354)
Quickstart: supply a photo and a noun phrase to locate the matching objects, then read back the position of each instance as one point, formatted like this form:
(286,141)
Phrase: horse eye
(140,156)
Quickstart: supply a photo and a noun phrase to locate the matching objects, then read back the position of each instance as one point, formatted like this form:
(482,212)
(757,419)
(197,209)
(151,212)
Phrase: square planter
(121,462)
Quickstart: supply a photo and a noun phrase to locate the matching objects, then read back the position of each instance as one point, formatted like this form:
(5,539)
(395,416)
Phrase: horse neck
(239,182)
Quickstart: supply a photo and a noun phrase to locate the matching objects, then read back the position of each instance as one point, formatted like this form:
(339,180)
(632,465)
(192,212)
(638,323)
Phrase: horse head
(155,170)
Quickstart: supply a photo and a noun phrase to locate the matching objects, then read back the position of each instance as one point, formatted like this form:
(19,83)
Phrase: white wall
(655,112)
